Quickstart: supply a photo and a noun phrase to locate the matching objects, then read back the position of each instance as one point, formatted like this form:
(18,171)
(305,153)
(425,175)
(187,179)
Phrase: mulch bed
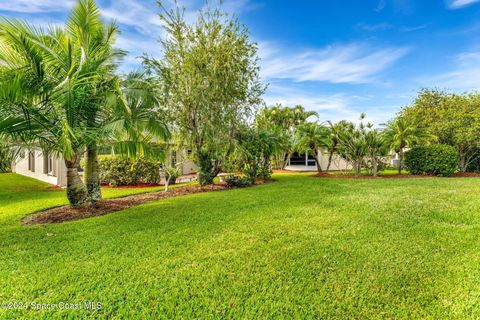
(66,213)
(467,174)
(393,176)
(133,186)
(352,176)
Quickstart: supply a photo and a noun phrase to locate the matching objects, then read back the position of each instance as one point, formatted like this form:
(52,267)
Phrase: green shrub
(172,173)
(120,171)
(474,165)
(438,160)
(234,181)
(8,155)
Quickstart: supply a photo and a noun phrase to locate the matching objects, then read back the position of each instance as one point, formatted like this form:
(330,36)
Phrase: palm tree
(53,82)
(137,126)
(402,133)
(353,146)
(376,148)
(286,120)
(333,139)
(312,136)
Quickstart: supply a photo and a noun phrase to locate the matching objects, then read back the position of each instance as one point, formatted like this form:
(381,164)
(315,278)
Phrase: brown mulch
(394,176)
(133,186)
(351,176)
(66,213)
(467,175)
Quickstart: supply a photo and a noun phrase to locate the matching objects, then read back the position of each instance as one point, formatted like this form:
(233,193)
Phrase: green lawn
(301,247)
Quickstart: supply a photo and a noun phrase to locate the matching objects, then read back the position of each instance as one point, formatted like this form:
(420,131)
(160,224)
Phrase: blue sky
(337,57)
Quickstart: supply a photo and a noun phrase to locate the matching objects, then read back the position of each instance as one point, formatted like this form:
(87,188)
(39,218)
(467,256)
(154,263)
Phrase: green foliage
(403,132)
(254,151)
(332,141)
(55,83)
(8,155)
(209,76)
(235,181)
(353,145)
(171,173)
(474,163)
(453,118)
(437,159)
(311,137)
(117,171)
(283,122)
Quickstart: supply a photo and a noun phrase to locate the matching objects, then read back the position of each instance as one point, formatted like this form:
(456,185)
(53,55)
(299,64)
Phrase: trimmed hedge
(120,171)
(437,160)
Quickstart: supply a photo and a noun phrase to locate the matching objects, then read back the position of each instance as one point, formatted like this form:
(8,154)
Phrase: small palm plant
(312,137)
(402,133)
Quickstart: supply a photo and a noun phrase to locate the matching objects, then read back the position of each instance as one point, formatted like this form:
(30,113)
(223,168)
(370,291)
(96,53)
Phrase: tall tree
(95,39)
(453,118)
(52,82)
(210,79)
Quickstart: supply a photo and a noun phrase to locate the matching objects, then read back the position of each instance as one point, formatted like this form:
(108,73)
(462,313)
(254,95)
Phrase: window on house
(47,163)
(31,161)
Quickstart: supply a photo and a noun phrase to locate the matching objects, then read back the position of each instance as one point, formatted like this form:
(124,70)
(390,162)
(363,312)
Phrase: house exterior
(305,162)
(36,164)
(41,166)
(48,168)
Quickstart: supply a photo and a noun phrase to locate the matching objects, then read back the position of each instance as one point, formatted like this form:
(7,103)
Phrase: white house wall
(21,167)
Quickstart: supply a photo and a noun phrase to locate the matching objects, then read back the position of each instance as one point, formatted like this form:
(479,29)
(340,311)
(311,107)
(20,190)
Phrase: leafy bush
(438,159)
(120,171)
(474,164)
(254,151)
(172,173)
(234,181)
(8,155)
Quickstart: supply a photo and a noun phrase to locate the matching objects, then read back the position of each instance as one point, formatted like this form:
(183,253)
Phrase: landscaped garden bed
(105,206)
(67,213)
(336,175)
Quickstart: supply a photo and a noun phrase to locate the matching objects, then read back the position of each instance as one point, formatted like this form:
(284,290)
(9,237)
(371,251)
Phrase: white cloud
(463,76)
(380,6)
(455,4)
(333,107)
(374,27)
(352,63)
(35,6)
(142,16)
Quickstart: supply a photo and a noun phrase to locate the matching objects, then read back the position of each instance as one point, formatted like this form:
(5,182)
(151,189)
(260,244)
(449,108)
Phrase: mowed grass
(301,247)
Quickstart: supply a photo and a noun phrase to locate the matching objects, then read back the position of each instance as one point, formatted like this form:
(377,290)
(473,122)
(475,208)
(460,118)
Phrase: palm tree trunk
(285,162)
(76,190)
(92,174)
(317,162)
(358,168)
(375,166)
(400,161)
(330,157)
